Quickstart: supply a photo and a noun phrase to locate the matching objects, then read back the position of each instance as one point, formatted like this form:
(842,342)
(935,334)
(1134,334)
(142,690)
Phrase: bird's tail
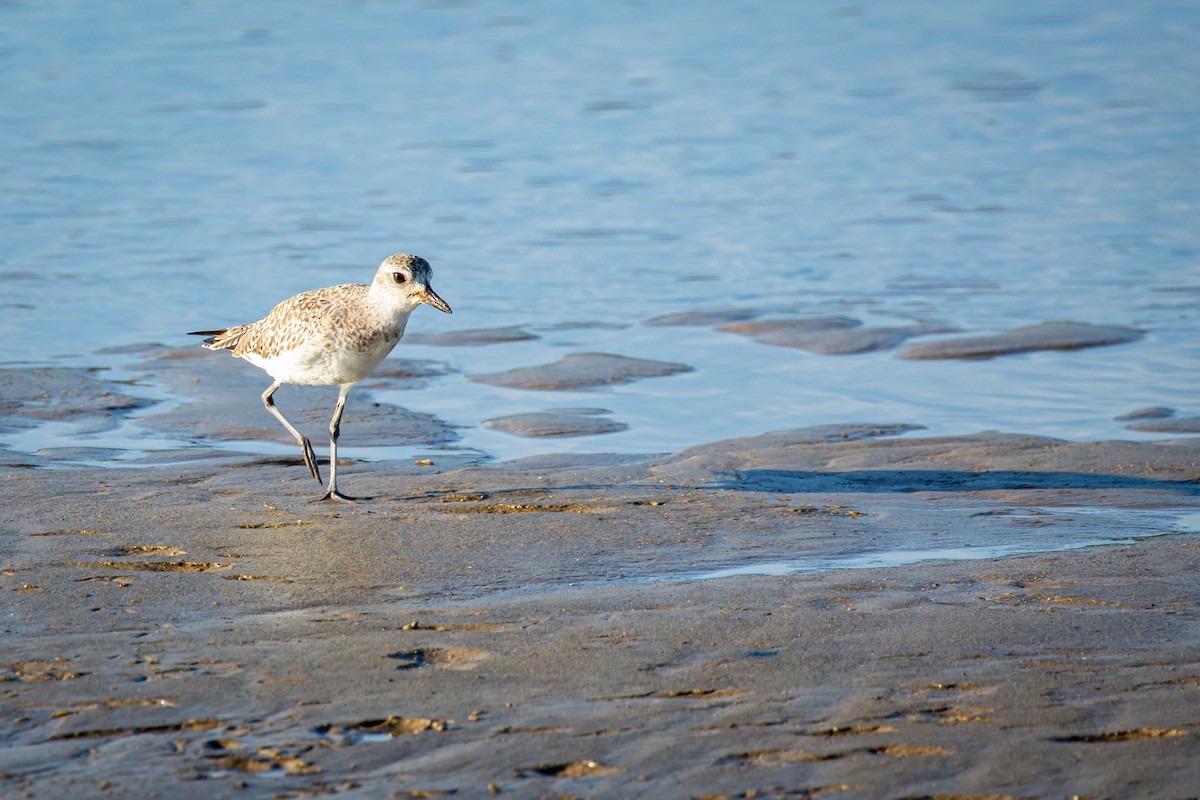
(223,339)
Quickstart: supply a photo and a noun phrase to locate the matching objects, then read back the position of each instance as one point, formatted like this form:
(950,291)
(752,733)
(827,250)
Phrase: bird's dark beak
(430,297)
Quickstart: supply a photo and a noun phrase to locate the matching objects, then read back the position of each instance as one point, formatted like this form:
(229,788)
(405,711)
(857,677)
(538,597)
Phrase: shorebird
(332,336)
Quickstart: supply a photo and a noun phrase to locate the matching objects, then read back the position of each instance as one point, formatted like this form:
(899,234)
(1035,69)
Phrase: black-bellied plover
(336,335)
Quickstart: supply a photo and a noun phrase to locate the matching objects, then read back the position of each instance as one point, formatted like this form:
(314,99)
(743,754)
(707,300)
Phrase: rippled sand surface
(773,615)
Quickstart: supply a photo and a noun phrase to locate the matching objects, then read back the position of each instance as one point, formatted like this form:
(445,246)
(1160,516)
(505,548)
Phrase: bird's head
(406,279)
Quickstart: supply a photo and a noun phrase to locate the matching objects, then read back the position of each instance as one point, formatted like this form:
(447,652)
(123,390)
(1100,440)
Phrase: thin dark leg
(310,458)
(335,430)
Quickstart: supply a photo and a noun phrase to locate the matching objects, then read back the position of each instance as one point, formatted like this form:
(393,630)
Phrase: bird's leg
(310,458)
(335,430)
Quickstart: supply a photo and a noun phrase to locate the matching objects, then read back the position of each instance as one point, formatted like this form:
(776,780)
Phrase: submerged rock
(793,327)
(581,370)
(846,341)
(832,336)
(705,319)
(557,422)
(1154,412)
(406,373)
(471,337)
(1047,336)
(1159,419)
(1164,425)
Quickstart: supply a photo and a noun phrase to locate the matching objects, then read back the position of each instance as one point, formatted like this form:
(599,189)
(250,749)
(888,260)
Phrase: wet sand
(538,628)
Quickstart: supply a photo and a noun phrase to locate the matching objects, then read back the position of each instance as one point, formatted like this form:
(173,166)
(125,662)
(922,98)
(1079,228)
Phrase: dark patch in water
(557,423)
(581,370)
(1047,336)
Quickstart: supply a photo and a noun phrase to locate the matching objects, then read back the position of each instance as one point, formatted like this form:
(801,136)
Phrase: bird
(334,336)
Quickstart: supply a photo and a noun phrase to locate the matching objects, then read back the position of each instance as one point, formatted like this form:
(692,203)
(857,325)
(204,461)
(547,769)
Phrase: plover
(336,335)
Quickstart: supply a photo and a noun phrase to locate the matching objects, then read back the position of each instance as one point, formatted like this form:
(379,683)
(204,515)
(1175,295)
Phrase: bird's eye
(400,277)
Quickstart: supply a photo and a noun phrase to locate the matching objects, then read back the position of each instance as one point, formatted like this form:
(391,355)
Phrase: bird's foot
(310,459)
(334,496)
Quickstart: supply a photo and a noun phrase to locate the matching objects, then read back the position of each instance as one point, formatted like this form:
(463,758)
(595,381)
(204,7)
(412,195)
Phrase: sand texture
(542,628)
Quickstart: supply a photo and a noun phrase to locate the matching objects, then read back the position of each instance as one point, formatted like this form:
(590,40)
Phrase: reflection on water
(893,558)
(579,169)
(1147,524)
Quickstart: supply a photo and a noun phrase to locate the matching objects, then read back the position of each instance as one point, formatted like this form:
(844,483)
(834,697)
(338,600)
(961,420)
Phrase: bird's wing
(294,321)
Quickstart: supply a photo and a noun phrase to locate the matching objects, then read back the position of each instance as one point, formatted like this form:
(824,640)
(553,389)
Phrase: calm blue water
(579,168)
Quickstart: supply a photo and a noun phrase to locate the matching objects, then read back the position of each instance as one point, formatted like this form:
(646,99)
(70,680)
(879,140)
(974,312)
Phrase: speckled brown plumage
(333,316)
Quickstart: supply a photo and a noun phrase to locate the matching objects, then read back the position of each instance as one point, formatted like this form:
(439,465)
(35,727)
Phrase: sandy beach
(558,626)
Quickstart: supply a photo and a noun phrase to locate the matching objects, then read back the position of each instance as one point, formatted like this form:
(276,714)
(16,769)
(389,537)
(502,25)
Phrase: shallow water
(1137,526)
(578,170)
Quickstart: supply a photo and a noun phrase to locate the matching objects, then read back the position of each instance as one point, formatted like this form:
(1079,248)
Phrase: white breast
(316,365)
